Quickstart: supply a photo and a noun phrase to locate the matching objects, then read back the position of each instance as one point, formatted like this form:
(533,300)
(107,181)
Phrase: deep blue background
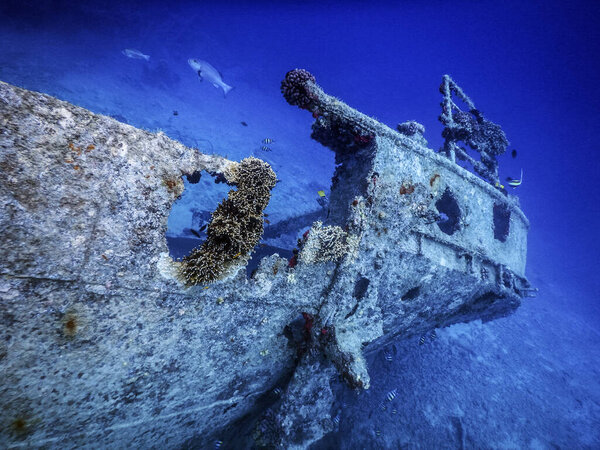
(533,67)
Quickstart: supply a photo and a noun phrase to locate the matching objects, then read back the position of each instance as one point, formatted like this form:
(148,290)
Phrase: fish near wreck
(135,54)
(207,72)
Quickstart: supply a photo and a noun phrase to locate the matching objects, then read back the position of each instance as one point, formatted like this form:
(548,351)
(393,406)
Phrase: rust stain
(407,189)
(172,186)
(70,325)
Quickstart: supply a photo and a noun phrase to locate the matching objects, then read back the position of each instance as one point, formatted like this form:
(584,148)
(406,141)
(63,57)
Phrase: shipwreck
(106,339)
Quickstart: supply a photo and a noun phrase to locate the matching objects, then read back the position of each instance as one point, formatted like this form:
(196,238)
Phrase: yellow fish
(321,193)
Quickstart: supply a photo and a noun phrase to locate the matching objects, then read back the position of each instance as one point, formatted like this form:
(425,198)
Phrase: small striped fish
(267,141)
(392,395)
(218,444)
(422,340)
(389,357)
(264,148)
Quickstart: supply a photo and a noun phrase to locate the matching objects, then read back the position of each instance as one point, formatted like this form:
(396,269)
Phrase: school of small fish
(266,142)
(432,336)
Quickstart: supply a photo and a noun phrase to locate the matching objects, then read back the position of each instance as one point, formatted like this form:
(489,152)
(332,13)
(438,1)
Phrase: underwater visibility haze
(298,224)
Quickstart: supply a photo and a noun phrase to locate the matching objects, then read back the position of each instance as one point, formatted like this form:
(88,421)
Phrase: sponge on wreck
(236,225)
(324,244)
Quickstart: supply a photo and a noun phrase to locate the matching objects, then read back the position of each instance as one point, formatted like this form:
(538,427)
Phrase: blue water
(529,380)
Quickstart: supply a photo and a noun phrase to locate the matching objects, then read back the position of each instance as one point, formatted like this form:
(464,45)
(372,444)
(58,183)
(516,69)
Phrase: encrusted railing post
(473,130)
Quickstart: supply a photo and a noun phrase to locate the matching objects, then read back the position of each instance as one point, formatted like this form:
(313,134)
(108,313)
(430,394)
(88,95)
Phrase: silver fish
(135,54)
(208,72)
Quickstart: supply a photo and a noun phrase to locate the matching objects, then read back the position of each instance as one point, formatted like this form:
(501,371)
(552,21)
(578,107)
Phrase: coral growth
(295,90)
(333,128)
(236,225)
(268,431)
(324,244)
(309,321)
(293,261)
(473,130)
(411,128)
(341,136)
